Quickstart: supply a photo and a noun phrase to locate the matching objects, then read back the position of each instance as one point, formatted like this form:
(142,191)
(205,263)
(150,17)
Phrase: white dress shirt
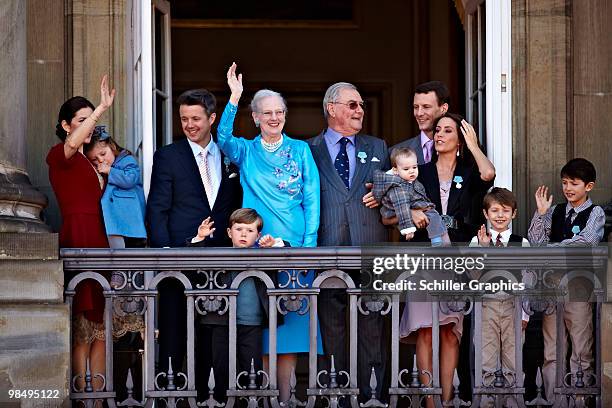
(505,237)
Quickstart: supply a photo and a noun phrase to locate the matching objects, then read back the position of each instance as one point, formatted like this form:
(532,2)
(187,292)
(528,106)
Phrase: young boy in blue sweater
(244,230)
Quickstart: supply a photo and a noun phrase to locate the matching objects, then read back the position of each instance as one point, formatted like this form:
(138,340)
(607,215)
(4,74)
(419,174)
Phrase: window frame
(494,88)
(143,109)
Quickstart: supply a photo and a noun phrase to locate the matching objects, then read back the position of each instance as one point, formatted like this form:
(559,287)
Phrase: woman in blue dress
(281,182)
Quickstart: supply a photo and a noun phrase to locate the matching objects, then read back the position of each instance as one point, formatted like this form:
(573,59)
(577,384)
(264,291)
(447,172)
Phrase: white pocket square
(233,175)
(375,159)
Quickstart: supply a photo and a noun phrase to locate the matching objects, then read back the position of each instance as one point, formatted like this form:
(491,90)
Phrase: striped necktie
(498,241)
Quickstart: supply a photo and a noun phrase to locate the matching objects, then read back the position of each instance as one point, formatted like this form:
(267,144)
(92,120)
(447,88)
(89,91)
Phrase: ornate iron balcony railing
(144,269)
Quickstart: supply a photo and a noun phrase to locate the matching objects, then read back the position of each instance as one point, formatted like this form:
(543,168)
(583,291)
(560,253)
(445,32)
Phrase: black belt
(450,222)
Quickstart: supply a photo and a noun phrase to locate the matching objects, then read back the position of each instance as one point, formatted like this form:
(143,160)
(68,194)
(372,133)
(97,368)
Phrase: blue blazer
(177,201)
(123,202)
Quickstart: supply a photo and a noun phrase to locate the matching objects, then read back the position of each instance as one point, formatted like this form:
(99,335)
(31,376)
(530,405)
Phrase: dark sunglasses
(353,104)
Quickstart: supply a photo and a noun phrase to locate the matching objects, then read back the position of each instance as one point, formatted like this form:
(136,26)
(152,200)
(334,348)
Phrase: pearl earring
(457,152)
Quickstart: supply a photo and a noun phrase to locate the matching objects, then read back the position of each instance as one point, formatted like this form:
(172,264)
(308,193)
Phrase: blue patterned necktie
(342,162)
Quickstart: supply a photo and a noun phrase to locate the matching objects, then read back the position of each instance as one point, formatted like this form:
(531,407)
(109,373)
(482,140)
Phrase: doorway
(300,48)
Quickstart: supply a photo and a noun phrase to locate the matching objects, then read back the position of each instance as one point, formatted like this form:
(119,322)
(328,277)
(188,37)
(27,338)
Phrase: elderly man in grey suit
(431,100)
(346,161)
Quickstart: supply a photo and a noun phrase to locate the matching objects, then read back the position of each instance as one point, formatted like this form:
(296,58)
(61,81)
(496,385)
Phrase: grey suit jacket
(345,220)
(413,143)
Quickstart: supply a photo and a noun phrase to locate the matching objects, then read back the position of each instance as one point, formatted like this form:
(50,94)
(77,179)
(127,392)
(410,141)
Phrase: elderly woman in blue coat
(123,202)
(281,182)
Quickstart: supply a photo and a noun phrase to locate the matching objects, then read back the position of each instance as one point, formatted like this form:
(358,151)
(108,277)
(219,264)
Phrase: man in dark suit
(190,182)
(346,161)
(431,100)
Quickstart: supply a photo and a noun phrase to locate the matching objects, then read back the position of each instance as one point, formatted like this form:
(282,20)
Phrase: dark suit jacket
(177,201)
(413,143)
(344,218)
(465,203)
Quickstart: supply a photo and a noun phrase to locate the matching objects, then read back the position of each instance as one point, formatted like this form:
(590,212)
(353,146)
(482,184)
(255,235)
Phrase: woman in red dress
(78,188)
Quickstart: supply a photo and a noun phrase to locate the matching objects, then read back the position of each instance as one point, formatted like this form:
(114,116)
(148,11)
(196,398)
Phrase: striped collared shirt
(591,234)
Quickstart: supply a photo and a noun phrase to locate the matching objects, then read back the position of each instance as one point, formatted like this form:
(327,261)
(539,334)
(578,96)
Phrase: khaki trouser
(578,318)
(498,342)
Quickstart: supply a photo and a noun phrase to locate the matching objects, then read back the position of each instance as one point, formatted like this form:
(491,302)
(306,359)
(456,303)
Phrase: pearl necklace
(271,147)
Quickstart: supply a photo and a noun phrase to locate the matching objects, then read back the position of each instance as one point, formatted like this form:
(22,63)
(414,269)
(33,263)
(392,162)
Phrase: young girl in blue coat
(123,202)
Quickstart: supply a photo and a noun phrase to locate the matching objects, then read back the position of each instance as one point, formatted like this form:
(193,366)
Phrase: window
(134,106)
(476,71)
(151,97)
(489,81)
(162,80)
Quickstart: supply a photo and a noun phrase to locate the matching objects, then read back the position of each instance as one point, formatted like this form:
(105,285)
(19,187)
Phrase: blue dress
(283,187)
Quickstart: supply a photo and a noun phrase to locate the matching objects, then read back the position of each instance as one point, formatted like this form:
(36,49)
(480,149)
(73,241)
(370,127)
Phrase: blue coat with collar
(123,202)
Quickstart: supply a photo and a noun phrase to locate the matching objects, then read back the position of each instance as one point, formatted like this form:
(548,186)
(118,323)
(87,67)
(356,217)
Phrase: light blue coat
(123,202)
(282,186)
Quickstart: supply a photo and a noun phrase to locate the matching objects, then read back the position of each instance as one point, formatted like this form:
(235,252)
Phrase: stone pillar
(20,203)
(46,59)
(592,104)
(34,321)
(541,117)
(606,354)
(592,90)
(98,46)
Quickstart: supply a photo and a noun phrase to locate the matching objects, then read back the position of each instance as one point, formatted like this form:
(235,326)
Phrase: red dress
(77,189)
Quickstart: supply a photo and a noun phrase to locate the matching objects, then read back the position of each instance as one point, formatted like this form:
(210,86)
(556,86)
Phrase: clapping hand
(267,241)
(235,84)
(484,238)
(205,229)
(408,236)
(543,200)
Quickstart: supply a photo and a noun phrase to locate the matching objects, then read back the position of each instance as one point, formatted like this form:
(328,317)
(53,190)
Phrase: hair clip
(100,132)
